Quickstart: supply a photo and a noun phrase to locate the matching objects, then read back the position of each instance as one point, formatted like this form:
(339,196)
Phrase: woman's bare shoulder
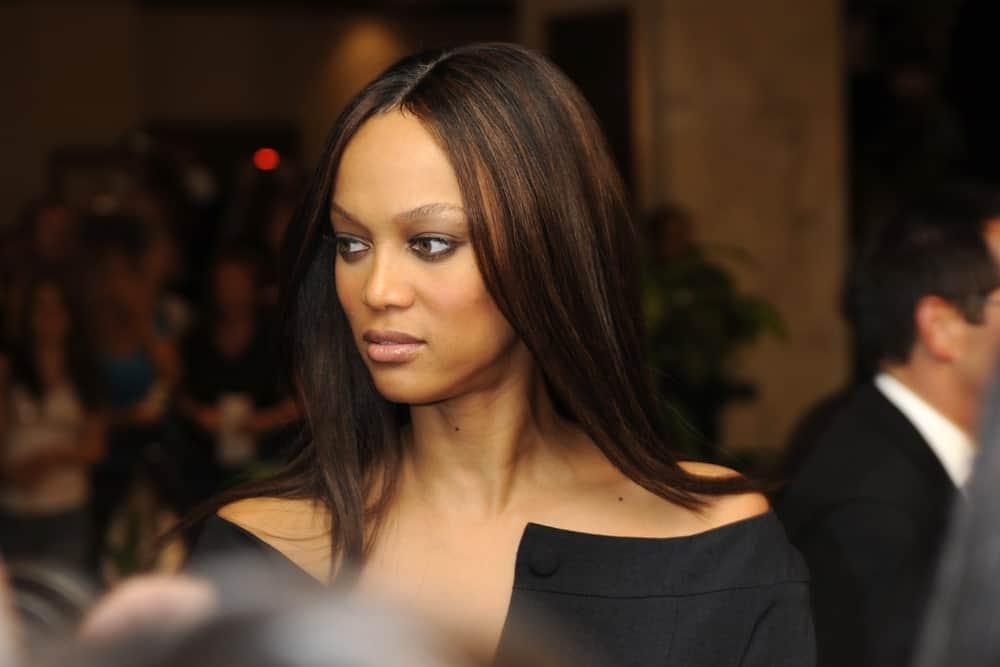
(300,529)
(621,507)
(725,509)
(280,517)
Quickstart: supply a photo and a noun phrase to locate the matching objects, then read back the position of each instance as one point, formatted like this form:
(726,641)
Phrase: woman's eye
(349,247)
(432,247)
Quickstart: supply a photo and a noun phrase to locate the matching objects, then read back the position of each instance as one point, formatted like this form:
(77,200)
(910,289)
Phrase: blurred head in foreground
(174,621)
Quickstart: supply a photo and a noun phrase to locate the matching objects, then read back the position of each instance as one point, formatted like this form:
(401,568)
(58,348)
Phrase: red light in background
(266,159)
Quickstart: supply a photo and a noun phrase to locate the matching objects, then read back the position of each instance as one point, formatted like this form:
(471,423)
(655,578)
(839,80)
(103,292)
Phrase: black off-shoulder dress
(737,595)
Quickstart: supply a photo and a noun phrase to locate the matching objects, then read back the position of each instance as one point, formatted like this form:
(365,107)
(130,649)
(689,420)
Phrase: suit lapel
(900,433)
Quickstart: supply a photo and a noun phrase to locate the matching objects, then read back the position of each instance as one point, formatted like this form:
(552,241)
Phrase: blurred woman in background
(44,239)
(137,360)
(230,391)
(53,431)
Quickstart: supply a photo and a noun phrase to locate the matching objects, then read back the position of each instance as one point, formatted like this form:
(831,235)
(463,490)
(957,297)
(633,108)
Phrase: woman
(53,432)
(483,445)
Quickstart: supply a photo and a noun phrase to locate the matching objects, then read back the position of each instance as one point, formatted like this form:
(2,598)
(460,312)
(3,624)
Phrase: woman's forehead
(393,166)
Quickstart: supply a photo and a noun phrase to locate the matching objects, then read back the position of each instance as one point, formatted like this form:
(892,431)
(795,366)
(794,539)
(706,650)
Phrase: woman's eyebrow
(420,212)
(427,211)
(336,211)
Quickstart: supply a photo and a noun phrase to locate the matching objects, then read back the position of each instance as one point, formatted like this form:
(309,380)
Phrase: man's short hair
(934,246)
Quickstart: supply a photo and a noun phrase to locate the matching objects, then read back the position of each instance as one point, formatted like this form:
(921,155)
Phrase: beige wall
(738,119)
(69,76)
(650,162)
(296,66)
(85,72)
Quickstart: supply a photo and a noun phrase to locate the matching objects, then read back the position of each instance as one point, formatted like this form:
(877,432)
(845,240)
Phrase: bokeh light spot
(266,159)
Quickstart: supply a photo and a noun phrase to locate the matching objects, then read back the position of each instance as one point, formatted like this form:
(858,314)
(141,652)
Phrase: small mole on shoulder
(620,499)
(456,428)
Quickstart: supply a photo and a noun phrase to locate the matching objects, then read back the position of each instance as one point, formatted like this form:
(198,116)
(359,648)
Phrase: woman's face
(406,273)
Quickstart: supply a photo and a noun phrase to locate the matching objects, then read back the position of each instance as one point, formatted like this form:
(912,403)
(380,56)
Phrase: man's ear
(940,327)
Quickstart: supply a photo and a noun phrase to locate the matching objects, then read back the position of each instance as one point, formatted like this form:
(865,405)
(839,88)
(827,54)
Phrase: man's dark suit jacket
(868,509)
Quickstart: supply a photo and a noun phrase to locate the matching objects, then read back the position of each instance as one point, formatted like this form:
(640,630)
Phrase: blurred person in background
(231,390)
(53,431)
(173,316)
(15,245)
(45,239)
(277,223)
(482,441)
(138,361)
(870,501)
(55,228)
(163,262)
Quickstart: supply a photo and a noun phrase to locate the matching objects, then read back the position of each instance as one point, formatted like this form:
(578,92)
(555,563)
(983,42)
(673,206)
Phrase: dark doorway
(593,50)
(971,84)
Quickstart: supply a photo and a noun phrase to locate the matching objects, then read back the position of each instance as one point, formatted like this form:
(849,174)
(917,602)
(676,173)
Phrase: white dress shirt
(952,446)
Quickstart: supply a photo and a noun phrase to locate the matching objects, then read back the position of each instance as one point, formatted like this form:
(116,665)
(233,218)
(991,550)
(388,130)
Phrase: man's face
(980,350)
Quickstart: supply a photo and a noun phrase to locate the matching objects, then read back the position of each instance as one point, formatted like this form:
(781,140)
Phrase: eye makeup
(428,247)
(426,240)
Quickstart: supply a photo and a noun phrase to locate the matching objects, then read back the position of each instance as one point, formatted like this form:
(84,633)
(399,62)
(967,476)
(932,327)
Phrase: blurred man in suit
(869,504)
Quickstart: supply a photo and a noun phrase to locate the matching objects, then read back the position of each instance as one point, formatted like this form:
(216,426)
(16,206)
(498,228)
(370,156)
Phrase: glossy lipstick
(391,347)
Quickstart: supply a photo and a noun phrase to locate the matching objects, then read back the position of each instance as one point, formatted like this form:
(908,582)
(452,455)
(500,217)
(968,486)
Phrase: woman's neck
(479,454)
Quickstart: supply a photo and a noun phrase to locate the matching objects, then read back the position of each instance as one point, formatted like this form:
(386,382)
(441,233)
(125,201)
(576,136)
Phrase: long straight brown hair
(557,250)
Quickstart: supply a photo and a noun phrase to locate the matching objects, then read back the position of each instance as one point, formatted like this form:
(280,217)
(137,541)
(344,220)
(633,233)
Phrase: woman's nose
(387,285)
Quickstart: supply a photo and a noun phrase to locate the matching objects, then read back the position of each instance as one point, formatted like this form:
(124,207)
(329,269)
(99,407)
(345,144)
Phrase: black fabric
(208,376)
(736,595)
(868,509)
(220,539)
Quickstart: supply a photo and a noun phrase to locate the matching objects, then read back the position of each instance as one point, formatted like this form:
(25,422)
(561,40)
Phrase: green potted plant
(697,319)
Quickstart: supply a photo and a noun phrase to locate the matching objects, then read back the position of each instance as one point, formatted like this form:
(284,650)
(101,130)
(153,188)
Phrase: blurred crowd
(136,379)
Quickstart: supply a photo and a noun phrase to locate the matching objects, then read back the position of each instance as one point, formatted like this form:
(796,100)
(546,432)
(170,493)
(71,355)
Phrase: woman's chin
(409,393)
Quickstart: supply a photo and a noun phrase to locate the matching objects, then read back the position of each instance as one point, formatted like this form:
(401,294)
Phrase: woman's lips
(391,347)
(393,353)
